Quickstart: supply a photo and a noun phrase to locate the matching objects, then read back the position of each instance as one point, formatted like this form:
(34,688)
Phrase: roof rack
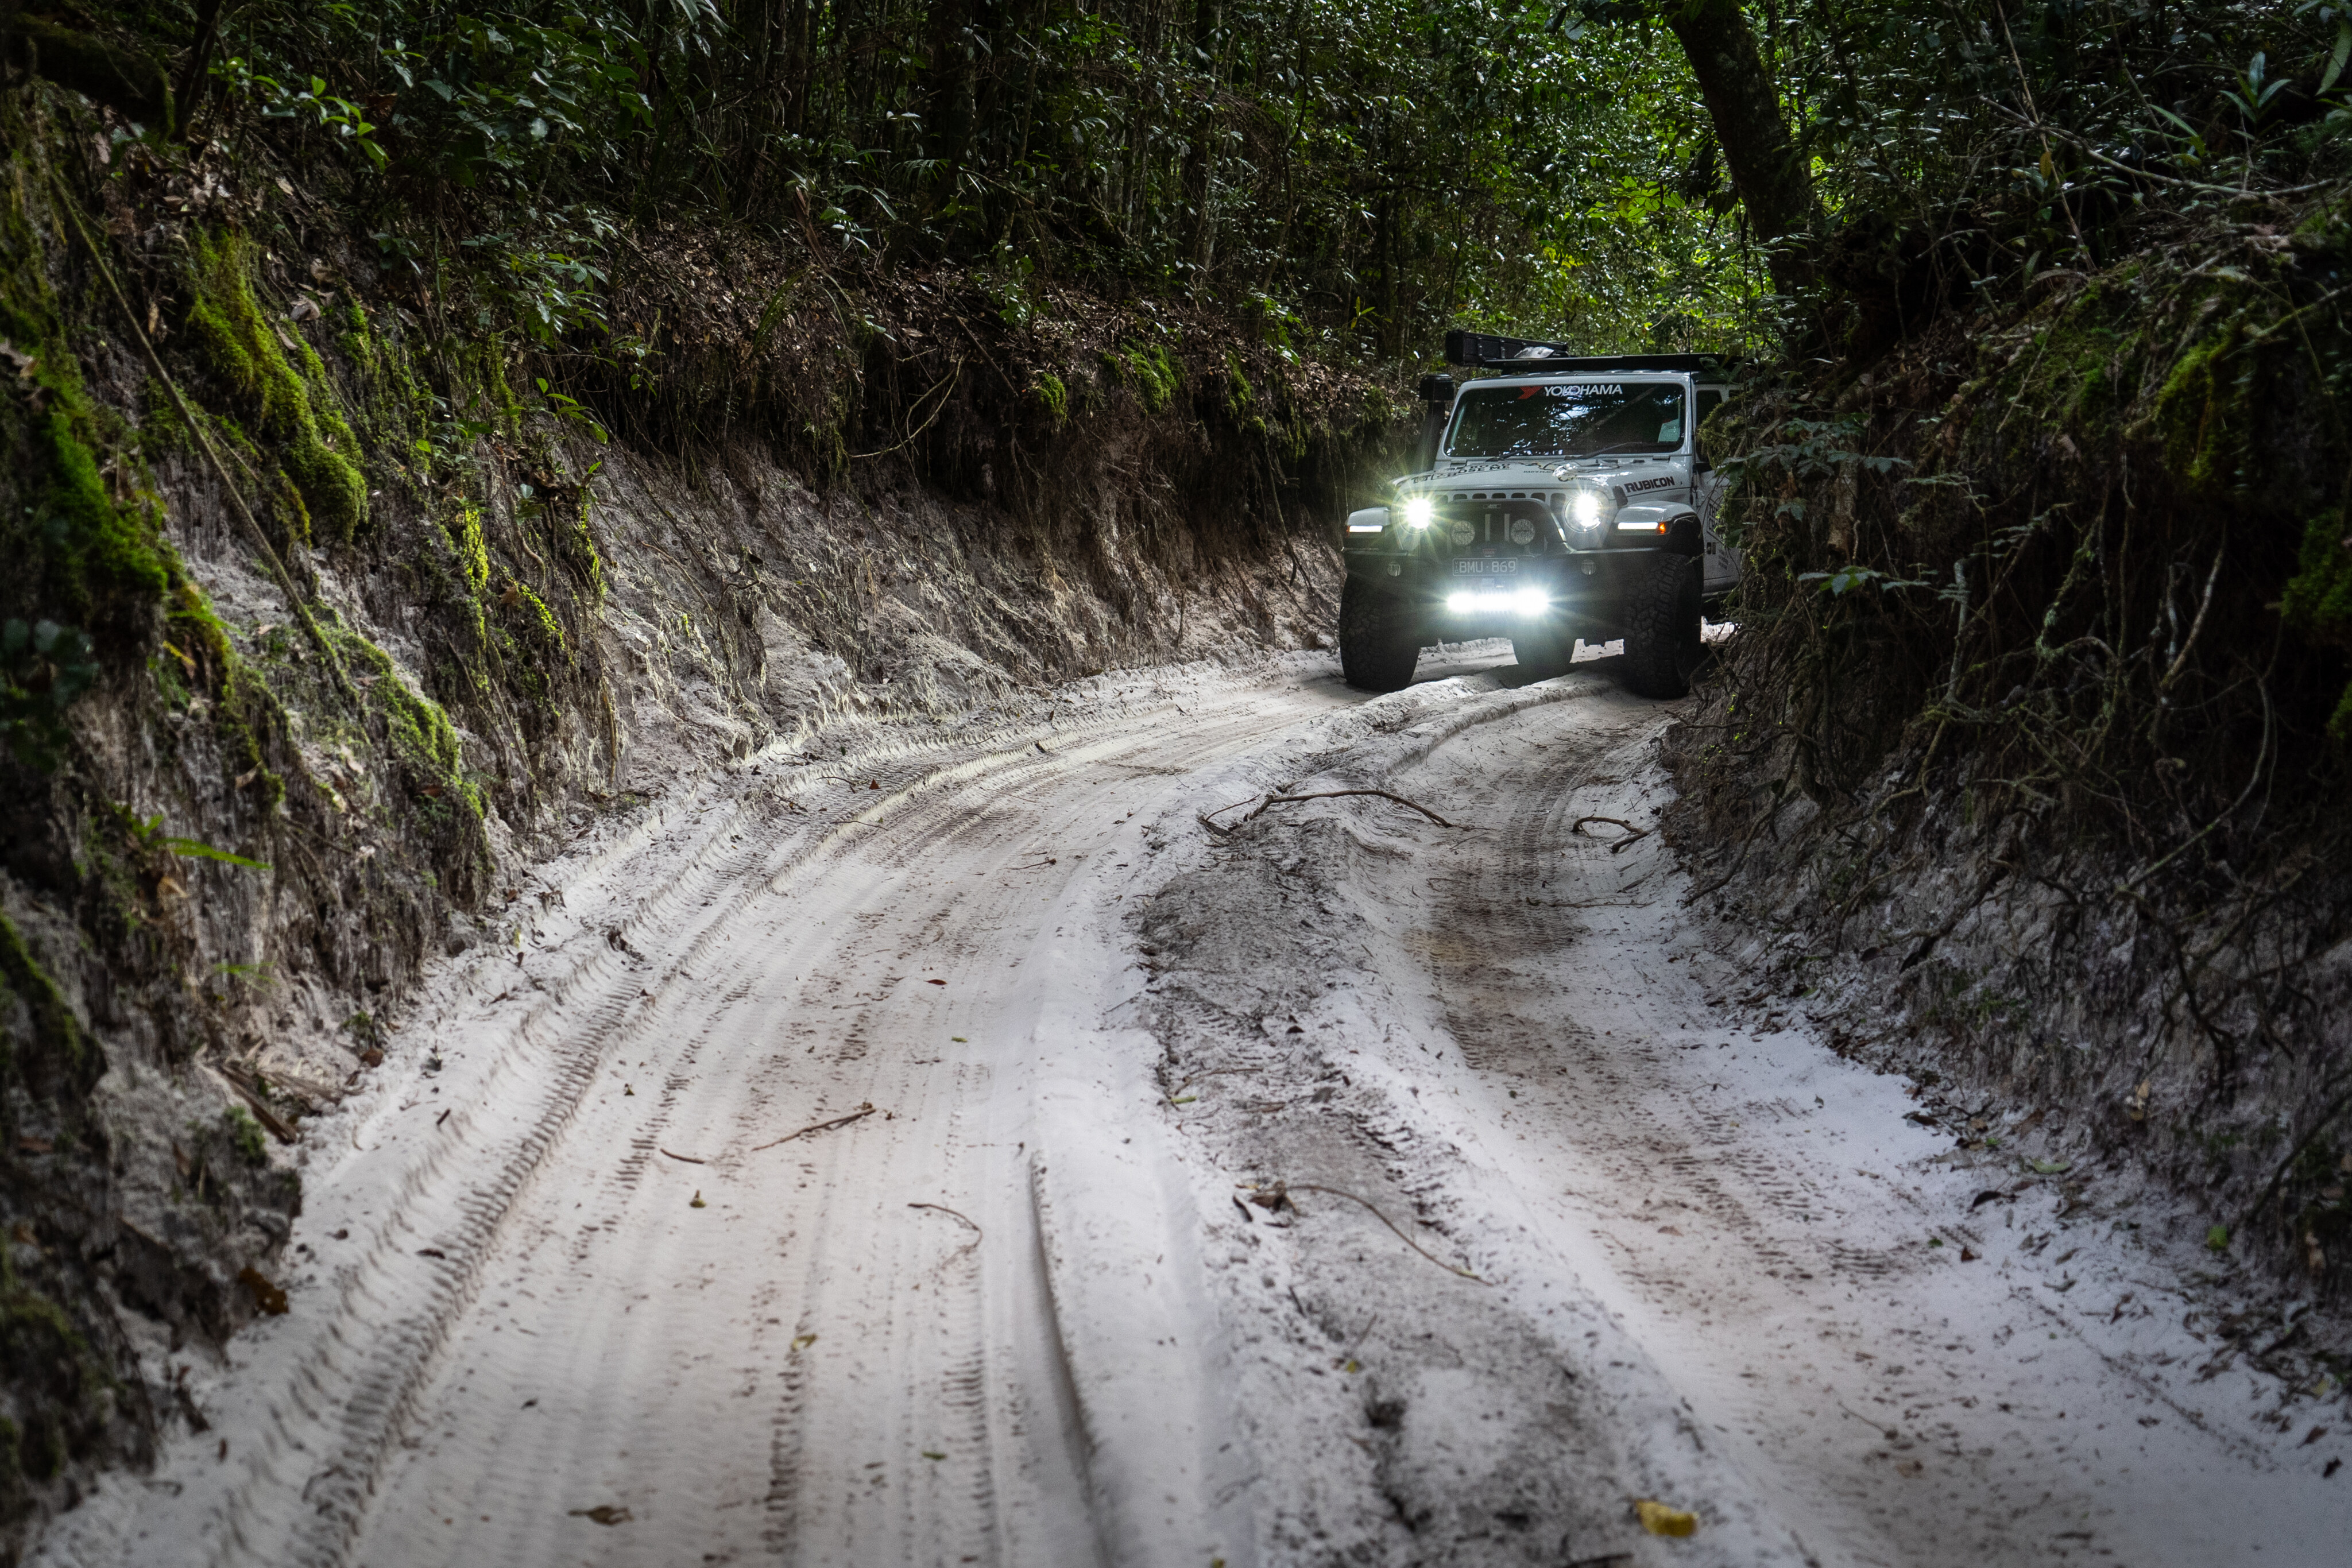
(1489,352)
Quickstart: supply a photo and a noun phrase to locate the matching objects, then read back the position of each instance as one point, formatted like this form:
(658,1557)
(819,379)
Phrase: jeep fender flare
(1685,535)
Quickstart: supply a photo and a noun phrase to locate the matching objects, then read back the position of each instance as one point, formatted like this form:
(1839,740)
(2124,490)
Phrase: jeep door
(1721,572)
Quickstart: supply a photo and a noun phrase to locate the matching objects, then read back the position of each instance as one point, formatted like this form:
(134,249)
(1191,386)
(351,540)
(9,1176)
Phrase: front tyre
(1662,628)
(1379,640)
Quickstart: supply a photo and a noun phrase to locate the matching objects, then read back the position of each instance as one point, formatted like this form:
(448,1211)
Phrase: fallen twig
(1384,1219)
(1319,795)
(859,1114)
(1632,833)
(682,1159)
(1203,818)
(250,1090)
(977,1233)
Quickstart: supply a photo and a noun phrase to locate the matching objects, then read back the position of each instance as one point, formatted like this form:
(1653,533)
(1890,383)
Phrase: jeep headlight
(1588,509)
(1419,510)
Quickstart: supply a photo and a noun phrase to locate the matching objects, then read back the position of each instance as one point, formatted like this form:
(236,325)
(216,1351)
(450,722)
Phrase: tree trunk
(1766,168)
(1199,156)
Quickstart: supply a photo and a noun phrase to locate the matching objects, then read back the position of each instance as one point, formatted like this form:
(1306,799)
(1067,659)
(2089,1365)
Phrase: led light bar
(1504,602)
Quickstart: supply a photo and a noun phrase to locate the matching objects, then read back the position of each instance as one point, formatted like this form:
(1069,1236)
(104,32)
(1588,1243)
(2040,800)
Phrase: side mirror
(1701,466)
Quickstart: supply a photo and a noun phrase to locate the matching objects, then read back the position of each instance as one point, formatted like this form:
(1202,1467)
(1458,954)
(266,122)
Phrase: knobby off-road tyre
(1662,628)
(1380,641)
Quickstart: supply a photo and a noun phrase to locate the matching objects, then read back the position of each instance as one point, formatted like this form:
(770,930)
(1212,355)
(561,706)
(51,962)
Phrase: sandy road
(614,1264)
(559,1263)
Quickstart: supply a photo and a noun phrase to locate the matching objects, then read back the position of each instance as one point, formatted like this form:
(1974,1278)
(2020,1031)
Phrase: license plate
(1500,566)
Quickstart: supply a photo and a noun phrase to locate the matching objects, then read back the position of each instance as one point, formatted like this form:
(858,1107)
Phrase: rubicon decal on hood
(1663,482)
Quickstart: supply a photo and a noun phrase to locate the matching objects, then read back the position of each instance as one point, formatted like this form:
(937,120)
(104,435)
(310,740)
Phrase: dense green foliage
(1354,175)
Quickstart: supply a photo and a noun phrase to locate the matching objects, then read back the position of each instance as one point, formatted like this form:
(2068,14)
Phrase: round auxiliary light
(1464,533)
(1522,531)
(1418,511)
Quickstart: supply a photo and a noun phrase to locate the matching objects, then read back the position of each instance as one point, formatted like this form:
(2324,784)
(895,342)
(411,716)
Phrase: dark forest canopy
(1353,176)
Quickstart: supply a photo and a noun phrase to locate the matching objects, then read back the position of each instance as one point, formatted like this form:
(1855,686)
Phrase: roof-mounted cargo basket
(1521,356)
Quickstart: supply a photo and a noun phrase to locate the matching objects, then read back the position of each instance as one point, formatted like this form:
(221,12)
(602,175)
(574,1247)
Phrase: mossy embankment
(317,635)
(2025,773)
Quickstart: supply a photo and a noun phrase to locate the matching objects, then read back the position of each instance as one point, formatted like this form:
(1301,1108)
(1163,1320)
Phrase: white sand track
(575,1287)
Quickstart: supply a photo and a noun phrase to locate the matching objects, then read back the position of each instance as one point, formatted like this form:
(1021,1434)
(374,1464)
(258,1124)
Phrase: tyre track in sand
(526,1319)
(1762,1216)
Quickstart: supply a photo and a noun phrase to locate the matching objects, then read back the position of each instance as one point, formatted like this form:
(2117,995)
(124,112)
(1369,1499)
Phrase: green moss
(40,1343)
(297,410)
(582,552)
(73,553)
(419,731)
(1239,394)
(1049,391)
(1148,368)
(543,620)
(55,1034)
(245,701)
(2203,415)
(2318,599)
(473,549)
(245,1136)
(358,342)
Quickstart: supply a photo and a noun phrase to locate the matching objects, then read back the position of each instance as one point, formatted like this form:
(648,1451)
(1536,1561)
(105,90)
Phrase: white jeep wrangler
(1565,498)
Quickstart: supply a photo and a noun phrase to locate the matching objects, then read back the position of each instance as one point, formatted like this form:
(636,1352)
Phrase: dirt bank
(2026,774)
(331,612)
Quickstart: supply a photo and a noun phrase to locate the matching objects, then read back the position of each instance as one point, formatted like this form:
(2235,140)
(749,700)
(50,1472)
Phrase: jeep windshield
(1568,419)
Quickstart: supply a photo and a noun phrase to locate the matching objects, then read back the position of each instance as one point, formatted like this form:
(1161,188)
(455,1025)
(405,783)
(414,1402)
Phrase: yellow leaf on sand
(1660,1520)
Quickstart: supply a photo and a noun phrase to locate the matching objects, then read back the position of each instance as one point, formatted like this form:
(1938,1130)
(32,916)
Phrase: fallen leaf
(1668,1231)
(929,1455)
(1660,1520)
(603,1514)
(2050,1167)
(936,982)
(305,308)
(1967,1254)
(2316,1434)
(803,1342)
(266,1293)
(959,1039)
(697,1202)
(431,1252)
